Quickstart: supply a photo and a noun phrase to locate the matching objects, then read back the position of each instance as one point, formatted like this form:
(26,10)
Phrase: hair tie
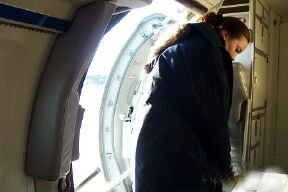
(219,19)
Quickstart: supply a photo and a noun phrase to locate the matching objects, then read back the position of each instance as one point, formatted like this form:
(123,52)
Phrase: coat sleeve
(199,85)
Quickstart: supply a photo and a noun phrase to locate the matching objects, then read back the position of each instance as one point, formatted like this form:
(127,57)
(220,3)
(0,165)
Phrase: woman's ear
(224,34)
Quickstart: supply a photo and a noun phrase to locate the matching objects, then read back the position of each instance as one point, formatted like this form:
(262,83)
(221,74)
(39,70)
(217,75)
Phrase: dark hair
(177,33)
(234,26)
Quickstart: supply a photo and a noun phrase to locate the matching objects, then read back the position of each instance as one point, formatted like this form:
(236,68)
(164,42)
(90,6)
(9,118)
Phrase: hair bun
(212,18)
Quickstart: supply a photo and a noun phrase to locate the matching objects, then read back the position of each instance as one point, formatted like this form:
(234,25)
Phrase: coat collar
(210,34)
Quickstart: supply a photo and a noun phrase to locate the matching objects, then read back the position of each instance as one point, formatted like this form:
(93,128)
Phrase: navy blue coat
(184,140)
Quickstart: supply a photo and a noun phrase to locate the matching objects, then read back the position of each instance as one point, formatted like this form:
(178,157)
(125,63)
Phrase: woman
(184,141)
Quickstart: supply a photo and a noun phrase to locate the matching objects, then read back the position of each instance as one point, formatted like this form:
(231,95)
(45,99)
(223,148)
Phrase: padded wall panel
(51,133)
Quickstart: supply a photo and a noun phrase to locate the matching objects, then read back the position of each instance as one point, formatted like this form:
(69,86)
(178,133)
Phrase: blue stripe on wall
(33,18)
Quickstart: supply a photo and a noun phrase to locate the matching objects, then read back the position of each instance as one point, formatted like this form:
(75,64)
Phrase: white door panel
(259,88)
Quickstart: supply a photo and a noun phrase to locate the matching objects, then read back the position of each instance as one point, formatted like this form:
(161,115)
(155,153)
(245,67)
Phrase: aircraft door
(259,88)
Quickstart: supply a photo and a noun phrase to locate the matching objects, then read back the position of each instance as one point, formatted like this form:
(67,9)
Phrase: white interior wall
(281,155)
(21,65)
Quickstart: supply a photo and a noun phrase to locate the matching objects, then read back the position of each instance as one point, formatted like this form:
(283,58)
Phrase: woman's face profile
(235,46)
